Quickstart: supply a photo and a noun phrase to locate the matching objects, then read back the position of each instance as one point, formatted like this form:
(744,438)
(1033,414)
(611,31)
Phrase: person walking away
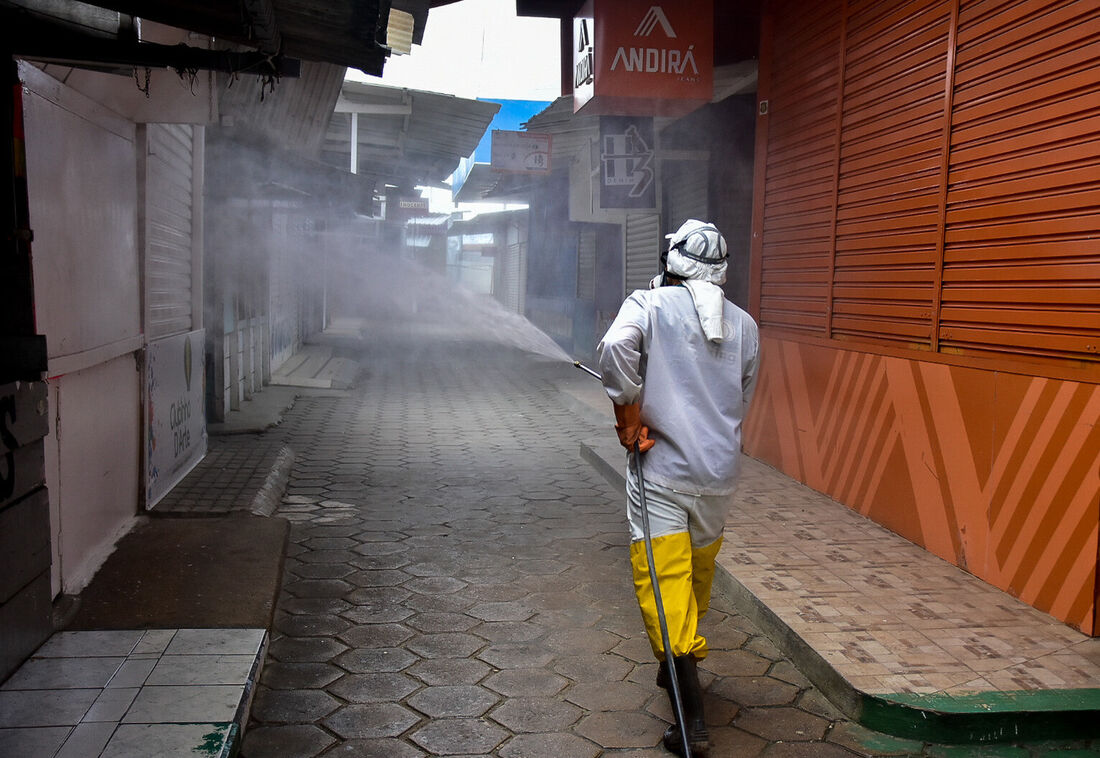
(679,362)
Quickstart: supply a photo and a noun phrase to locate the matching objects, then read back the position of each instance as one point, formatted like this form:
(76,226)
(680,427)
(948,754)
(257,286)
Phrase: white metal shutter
(169,212)
(510,270)
(284,319)
(685,186)
(643,248)
(512,260)
(586,264)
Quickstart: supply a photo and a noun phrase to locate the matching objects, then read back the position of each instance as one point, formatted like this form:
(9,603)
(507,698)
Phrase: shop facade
(925,264)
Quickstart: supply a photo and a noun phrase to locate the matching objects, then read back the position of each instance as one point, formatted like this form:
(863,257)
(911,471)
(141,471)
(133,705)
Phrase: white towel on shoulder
(709,304)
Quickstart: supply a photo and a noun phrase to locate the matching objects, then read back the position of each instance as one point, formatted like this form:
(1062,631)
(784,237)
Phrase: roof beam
(49,42)
(343,105)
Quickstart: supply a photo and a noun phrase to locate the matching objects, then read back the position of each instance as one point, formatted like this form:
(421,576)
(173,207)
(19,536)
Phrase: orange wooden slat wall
(926,263)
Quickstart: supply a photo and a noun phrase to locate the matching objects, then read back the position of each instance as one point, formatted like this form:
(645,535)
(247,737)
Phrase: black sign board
(627,163)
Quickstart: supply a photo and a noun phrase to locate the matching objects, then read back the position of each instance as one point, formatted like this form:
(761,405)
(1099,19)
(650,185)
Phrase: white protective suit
(690,358)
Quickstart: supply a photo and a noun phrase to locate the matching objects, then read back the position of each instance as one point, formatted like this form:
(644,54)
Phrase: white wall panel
(82,181)
(83,188)
(92,466)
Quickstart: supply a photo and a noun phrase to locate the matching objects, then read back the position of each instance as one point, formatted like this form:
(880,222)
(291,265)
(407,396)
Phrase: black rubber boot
(691,695)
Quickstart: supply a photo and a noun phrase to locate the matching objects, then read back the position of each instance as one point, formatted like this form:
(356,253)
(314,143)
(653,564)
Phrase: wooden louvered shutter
(643,248)
(586,264)
(1022,241)
(800,167)
(685,188)
(930,196)
(891,154)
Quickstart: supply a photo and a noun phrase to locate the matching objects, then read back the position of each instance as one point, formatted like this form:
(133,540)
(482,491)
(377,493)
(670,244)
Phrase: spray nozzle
(587,370)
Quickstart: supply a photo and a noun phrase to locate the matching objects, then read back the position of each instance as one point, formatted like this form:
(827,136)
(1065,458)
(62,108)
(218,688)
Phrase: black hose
(673,677)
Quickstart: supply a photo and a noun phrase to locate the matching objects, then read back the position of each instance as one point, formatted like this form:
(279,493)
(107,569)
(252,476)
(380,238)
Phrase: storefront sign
(635,58)
(176,413)
(627,165)
(520,152)
(403,207)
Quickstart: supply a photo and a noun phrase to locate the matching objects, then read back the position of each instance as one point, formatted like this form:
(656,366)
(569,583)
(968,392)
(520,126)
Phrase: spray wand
(674,680)
(587,370)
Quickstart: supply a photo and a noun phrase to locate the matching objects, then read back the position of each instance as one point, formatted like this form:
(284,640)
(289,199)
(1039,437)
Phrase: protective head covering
(697,254)
(697,251)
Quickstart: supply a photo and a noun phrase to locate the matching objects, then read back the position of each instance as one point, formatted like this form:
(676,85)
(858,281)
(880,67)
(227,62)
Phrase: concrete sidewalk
(900,640)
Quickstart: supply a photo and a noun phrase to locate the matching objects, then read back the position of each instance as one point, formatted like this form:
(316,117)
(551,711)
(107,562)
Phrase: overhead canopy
(483,185)
(343,32)
(406,137)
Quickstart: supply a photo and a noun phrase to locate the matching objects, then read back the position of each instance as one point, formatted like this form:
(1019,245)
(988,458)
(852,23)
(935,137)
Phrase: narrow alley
(456,584)
(456,581)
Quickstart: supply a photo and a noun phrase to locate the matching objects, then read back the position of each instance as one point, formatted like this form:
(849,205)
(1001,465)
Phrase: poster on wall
(520,152)
(175,418)
(627,164)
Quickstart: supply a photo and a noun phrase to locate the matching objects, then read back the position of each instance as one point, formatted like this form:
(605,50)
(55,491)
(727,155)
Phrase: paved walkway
(456,585)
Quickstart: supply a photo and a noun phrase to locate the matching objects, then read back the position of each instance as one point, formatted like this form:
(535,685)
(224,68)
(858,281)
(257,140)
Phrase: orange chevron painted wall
(998,473)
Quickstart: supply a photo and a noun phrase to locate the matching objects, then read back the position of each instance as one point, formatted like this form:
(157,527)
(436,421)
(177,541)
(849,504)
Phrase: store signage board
(176,413)
(627,164)
(403,207)
(520,152)
(632,58)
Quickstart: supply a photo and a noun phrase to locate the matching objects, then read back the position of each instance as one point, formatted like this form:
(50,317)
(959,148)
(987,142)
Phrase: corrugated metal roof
(294,115)
(483,185)
(343,32)
(407,137)
(572,133)
(440,220)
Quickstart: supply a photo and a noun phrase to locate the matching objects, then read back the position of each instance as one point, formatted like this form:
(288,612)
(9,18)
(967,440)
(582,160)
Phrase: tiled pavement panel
(886,615)
(131,694)
(457,584)
(227,479)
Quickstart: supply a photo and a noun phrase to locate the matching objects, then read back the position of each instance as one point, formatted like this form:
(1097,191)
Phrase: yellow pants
(685,576)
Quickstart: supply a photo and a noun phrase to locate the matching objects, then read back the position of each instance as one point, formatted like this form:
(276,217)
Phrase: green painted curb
(985,716)
(969,718)
(232,741)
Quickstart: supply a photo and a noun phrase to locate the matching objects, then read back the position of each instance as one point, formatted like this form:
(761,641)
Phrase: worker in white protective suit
(679,363)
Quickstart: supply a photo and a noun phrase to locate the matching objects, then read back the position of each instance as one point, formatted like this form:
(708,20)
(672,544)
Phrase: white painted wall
(92,468)
(82,182)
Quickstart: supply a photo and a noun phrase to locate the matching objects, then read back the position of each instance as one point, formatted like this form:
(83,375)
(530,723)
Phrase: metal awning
(406,137)
(483,185)
(102,33)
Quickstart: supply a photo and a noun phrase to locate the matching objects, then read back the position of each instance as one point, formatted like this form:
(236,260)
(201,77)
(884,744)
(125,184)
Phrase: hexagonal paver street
(456,583)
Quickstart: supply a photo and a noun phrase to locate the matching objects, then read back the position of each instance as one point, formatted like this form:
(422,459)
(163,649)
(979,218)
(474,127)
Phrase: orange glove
(628,425)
